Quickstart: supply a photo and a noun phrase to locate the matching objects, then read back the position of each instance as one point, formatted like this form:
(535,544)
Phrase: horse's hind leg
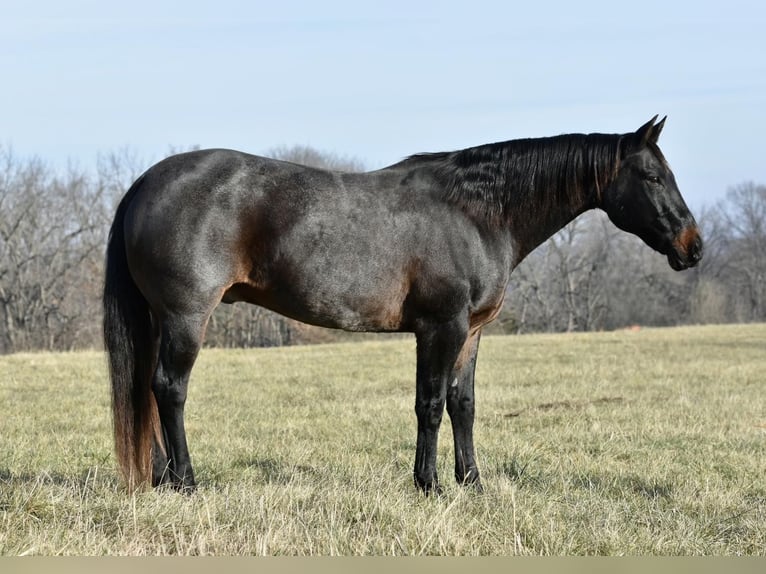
(460,406)
(180,342)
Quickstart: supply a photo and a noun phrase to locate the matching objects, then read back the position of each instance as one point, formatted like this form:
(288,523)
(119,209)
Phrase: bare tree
(307,155)
(50,230)
(560,286)
(740,224)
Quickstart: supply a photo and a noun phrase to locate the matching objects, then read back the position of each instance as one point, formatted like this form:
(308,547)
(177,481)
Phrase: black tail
(132,357)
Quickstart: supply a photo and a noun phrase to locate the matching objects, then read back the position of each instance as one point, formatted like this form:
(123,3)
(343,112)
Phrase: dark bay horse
(425,246)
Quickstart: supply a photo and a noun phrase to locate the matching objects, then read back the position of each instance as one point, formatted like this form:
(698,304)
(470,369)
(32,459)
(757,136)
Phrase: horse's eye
(653,179)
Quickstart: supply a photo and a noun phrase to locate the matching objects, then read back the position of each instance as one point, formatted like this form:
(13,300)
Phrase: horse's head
(643,199)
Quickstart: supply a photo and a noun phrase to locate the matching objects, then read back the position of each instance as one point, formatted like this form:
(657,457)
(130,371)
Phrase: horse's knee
(430,412)
(460,403)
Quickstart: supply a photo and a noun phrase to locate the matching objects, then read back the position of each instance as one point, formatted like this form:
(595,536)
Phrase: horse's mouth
(677,263)
(686,250)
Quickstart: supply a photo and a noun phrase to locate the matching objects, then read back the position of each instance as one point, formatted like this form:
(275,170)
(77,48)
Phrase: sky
(378,81)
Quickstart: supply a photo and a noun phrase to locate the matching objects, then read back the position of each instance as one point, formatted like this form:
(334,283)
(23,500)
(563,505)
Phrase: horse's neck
(530,227)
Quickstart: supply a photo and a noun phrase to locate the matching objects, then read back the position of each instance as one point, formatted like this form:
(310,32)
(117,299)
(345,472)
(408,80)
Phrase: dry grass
(648,442)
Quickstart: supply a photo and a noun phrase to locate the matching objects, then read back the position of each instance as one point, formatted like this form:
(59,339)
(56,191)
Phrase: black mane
(498,180)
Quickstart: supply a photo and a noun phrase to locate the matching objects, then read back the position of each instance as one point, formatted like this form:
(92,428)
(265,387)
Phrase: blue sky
(381,80)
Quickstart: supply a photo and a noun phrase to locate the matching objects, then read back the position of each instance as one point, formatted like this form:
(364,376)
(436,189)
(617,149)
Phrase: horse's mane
(496,181)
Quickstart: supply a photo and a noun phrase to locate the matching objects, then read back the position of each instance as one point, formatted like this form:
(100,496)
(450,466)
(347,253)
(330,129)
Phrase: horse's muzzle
(686,249)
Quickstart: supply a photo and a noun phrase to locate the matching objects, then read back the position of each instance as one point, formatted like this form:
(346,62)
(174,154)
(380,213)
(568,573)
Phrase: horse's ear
(646,132)
(657,130)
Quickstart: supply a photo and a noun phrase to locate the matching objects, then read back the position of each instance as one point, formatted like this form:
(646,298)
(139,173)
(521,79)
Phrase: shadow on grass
(38,494)
(619,486)
(526,473)
(86,477)
(275,471)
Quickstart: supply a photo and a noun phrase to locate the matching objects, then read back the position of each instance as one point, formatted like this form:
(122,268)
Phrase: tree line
(589,276)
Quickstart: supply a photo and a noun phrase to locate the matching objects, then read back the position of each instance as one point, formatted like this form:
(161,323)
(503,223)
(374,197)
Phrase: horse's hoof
(429,487)
(471,482)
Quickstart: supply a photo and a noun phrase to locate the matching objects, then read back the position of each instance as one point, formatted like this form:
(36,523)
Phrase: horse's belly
(334,305)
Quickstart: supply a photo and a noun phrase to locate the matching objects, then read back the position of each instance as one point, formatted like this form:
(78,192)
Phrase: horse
(424,246)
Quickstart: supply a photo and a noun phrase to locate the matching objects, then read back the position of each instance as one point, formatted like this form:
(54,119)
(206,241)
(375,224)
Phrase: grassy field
(647,442)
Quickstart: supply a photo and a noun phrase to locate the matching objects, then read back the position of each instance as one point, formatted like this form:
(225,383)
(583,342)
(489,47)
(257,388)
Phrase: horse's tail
(132,357)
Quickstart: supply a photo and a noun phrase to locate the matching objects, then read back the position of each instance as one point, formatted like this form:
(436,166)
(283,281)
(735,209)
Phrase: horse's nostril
(695,253)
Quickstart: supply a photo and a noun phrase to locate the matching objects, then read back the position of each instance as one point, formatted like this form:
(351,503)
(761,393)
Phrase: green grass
(648,442)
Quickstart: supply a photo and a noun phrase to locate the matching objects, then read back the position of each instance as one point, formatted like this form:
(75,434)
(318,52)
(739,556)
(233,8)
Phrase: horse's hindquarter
(181,227)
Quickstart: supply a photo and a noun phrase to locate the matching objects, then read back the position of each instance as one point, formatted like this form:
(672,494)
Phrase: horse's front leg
(438,348)
(460,406)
